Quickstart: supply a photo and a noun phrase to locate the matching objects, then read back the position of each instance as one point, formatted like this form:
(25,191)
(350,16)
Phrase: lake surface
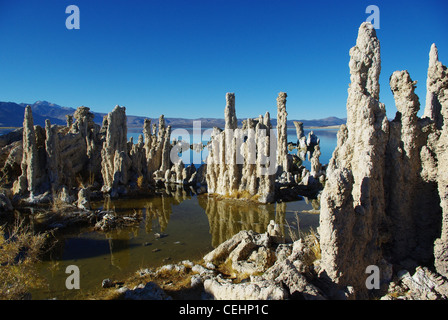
(192,225)
(328,141)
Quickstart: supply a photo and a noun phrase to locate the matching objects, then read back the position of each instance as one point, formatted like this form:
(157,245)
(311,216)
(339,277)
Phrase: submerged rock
(109,221)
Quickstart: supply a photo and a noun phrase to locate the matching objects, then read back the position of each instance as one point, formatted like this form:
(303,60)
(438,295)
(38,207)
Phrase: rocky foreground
(254,266)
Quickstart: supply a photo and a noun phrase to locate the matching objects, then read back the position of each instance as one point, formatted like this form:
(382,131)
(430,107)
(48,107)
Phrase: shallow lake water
(190,225)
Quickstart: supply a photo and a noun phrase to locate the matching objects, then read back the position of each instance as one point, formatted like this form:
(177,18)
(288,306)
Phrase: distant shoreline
(323,127)
(134,128)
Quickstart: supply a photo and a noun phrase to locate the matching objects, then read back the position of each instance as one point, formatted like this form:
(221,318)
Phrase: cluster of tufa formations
(253,162)
(68,162)
(71,162)
(385,201)
(383,196)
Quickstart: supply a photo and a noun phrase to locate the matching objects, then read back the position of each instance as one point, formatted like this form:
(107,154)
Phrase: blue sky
(179,58)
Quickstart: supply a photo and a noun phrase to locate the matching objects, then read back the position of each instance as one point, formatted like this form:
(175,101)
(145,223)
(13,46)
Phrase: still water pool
(190,225)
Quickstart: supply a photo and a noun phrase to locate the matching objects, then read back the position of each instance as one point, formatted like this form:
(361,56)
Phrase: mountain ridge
(11,115)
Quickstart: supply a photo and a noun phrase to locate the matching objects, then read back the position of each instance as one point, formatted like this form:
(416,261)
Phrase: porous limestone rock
(240,240)
(437,108)
(84,199)
(385,198)
(282,134)
(54,168)
(11,169)
(407,193)
(352,202)
(240,163)
(90,132)
(274,231)
(299,130)
(84,121)
(73,156)
(137,154)
(64,154)
(69,119)
(231,121)
(257,290)
(28,180)
(316,166)
(435,88)
(149,291)
(157,147)
(417,164)
(297,283)
(312,140)
(286,275)
(422,285)
(253,162)
(115,160)
(47,162)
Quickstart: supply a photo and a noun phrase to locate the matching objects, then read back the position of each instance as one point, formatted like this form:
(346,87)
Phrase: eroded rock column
(437,110)
(28,179)
(352,202)
(114,155)
(402,169)
(282,134)
(157,148)
(240,164)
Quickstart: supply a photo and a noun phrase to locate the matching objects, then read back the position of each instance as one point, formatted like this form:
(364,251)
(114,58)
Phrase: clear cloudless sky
(180,57)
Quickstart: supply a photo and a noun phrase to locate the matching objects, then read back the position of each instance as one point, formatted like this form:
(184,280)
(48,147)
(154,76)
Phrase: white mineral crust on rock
(115,160)
(386,191)
(240,160)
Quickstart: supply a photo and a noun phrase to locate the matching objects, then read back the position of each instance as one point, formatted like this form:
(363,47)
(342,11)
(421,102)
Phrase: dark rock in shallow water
(107,283)
(160,235)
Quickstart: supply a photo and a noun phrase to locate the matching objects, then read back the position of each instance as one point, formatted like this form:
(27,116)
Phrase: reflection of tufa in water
(195,224)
